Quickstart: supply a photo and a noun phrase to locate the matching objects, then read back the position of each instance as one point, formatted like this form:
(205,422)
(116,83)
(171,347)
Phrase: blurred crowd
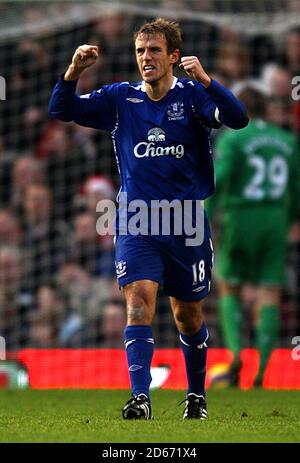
(57,280)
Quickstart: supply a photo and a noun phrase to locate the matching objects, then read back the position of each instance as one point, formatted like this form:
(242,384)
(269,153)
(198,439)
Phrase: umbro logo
(135,367)
(135,100)
(199,289)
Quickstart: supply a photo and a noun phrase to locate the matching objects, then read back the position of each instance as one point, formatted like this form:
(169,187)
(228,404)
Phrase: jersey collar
(143,87)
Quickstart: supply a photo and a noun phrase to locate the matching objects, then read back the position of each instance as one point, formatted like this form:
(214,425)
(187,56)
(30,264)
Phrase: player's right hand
(85,56)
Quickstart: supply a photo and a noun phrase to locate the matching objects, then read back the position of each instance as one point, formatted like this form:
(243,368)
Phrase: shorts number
(198,272)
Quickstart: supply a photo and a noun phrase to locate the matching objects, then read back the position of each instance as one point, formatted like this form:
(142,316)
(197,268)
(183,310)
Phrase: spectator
(46,319)
(262,51)
(15,302)
(292,51)
(96,188)
(45,240)
(279,112)
(7,158)
(277,80)
(26,170)
(90,250)
(33,121)
(67,166)
(84,293)
(110,30)
(10,231)
(10,270)
(113,322)
(233,63)
(294,6)
(292,60)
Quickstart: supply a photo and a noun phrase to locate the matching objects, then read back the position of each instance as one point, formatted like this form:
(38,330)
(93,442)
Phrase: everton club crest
(175,111)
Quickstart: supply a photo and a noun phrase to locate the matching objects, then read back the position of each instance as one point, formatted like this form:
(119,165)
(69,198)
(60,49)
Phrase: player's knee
(138,314)
(188,323)
(269,296)
(181,317)
(140,304)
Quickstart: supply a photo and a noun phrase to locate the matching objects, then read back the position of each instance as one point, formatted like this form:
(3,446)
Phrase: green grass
(94,416)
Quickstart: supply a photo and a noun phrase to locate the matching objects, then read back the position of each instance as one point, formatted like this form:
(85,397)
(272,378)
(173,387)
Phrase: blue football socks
(195,349)
(139,345)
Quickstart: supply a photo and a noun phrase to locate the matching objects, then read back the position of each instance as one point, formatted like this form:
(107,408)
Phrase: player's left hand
(192,66)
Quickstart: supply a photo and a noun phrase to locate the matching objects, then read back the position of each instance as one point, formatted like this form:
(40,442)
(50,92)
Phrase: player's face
(153,59)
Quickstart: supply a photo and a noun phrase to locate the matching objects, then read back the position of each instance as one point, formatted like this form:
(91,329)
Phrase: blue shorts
(184,272)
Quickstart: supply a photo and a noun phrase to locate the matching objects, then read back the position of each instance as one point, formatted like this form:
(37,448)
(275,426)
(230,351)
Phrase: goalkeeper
(258,191)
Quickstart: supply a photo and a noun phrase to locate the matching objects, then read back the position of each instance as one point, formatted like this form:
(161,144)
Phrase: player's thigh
(273,260)
(235,260)
(139,269)
(232,262)
(137,258)
(188,270)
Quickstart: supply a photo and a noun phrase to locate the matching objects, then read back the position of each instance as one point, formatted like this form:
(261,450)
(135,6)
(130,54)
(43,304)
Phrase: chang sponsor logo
(145,150)
(156,134)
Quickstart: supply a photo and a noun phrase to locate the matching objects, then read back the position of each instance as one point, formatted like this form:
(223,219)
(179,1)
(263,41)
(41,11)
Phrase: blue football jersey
(162,147)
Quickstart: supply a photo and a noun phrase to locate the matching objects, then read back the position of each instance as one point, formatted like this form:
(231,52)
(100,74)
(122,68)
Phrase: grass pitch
(95,416)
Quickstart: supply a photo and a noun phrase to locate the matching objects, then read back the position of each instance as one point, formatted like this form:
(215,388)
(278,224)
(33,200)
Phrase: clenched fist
(192,66)
(84,57)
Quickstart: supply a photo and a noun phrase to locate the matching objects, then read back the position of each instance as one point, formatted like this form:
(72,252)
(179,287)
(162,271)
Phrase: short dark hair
(169,29)
(254,101)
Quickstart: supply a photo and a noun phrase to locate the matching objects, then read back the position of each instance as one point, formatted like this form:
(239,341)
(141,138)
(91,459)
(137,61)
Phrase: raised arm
(95,110)
(84,57)
(227,109)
